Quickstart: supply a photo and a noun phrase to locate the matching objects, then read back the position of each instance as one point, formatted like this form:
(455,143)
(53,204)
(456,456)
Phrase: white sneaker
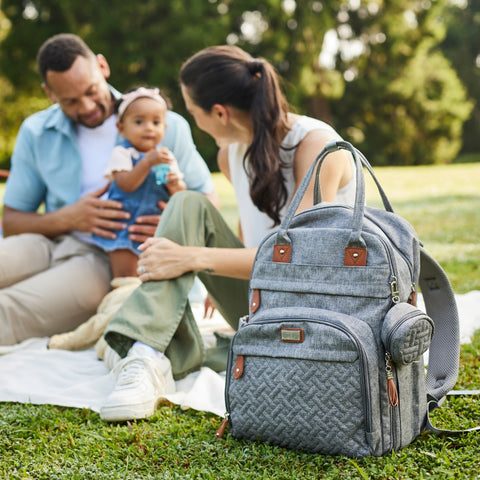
(110,357)
(142,380)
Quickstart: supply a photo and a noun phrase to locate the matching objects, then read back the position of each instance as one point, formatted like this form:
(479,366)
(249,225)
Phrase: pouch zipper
(392,379)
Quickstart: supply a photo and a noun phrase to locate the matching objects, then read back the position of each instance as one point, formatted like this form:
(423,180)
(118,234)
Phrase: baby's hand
(174,178)
(160,155)
(166,156)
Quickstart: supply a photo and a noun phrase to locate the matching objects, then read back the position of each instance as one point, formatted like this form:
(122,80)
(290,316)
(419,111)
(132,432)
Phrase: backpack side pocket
(406,333)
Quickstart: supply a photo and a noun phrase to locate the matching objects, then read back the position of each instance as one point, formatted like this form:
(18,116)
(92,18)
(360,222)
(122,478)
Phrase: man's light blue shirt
(47,167)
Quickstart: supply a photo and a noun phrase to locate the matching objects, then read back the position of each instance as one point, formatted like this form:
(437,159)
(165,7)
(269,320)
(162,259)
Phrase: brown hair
(228,75)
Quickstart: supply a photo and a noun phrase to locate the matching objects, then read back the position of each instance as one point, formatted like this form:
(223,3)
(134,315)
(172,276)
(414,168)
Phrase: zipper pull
(394,290)
(412,299)
(391,388)
(221,429)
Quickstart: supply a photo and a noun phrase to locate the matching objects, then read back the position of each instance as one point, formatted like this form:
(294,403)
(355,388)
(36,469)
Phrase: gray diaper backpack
(330,358)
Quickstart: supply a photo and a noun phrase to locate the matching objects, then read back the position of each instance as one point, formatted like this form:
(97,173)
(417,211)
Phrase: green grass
(441,202)
(48,442)
(443,205)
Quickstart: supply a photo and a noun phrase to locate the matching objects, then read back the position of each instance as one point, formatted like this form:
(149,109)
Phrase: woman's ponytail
(227,75)
(269,114)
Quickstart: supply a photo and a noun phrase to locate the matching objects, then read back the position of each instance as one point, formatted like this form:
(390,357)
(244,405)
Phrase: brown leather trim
(282,253)
(255,303)
(292,335)
(238,368)
(412,299)
(355,257)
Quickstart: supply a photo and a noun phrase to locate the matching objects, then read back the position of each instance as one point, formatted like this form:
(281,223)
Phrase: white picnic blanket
(30,373)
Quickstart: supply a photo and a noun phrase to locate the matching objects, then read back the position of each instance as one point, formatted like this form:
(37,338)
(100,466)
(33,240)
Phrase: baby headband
(142,92)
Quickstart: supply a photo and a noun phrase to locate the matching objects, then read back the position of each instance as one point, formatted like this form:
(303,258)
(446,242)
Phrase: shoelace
(131,369)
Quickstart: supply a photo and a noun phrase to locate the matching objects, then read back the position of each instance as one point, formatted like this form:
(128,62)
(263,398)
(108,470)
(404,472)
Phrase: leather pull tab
(221,429)
(238,368)
(412,299)
(255,303)
(355,257)
(282,253)
(392,392)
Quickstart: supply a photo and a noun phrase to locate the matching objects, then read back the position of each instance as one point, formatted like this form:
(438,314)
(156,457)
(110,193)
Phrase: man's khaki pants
(48,286)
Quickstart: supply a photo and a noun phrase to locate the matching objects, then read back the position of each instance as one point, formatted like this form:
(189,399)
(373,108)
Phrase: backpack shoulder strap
(444,353)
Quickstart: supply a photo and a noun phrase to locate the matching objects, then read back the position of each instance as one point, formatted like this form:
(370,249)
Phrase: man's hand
(89,214)
(95,215)
(145,226)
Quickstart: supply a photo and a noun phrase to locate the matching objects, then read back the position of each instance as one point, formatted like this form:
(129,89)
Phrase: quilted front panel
(300,404)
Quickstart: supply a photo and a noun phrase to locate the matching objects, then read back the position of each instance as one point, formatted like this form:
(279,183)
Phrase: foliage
(15,108)
(407,105)
(462,47)
(383,82)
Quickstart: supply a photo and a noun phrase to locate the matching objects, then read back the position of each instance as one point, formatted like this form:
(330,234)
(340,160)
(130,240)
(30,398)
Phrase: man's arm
(26,190)
(89,214)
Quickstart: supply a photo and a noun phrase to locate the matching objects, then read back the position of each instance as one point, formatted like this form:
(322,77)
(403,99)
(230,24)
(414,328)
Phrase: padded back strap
(444,353)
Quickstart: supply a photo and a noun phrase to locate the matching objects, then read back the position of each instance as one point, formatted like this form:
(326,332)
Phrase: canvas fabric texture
(315,366)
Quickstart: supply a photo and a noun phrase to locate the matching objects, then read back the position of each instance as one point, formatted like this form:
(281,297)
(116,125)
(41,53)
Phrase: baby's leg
(124,263)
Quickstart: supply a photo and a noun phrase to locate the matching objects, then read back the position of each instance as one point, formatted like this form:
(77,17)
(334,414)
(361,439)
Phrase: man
(52,277)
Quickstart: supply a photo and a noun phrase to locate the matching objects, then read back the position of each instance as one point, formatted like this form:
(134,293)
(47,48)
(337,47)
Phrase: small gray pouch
(406,333)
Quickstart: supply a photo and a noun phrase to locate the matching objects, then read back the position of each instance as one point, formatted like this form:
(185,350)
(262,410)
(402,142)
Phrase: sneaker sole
(123,413)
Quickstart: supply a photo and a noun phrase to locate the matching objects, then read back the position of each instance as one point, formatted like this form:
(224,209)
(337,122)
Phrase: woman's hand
(162,259)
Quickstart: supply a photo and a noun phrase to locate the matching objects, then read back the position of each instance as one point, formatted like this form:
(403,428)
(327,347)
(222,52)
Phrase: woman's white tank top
(255,224)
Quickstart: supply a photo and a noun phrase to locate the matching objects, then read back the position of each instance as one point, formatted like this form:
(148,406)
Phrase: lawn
(48,442)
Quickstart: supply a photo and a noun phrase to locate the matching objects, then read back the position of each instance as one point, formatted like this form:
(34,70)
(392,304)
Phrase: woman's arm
(164,259)
(335,173)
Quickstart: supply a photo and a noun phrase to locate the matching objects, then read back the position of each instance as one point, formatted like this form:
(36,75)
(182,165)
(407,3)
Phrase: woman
(265,150)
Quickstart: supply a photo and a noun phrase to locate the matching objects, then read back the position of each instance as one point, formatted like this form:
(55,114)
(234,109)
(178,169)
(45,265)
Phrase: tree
(403,102)
(371,67)
(462,48)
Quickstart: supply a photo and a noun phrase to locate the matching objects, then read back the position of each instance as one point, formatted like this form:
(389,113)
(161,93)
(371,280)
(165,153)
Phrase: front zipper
(409,265)
(393,269)
(394,410)
(364,372)
(221,430)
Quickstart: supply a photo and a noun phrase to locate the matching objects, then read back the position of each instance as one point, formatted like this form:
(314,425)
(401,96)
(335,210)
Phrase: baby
(141,173)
